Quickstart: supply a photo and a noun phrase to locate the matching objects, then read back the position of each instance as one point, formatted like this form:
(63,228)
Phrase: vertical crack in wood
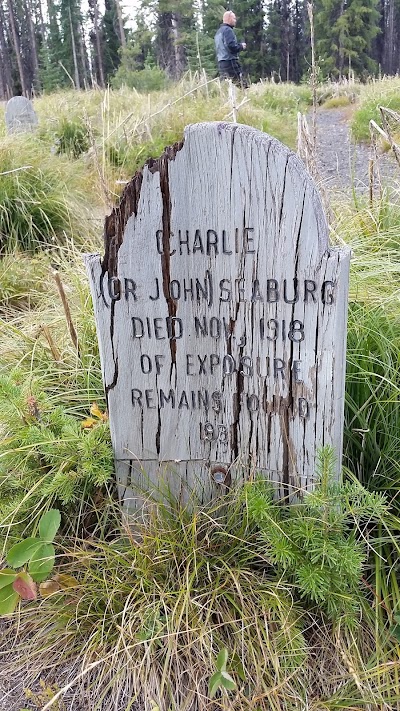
(239,390)
(165,257)
(158,433)
(296,484)
(110,386)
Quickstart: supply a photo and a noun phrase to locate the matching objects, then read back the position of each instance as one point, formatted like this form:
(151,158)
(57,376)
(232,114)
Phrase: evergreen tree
(111,40)
(51,73)
(388,43)
(275,41)
(175,23)
(345,31)
(300,41)
(210,12)
(96,39)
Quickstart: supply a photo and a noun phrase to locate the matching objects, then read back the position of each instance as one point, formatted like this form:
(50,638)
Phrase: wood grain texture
(221,316)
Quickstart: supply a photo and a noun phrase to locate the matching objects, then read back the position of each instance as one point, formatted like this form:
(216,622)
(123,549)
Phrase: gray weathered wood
(277,367)
(20,115)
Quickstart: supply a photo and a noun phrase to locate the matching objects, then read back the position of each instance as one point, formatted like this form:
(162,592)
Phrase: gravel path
(343,164)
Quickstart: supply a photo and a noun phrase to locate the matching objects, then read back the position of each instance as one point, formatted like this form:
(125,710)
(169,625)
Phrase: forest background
(58,44)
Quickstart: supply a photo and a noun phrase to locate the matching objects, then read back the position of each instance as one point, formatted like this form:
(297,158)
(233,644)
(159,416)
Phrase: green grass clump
(72,137)
(282,98)
(41,200)
(372,409)
(372,440)
(385,93)
(336,102)
(23,281)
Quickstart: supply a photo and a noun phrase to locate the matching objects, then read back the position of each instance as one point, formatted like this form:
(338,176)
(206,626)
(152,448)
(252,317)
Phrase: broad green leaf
(214,684)
(24,586)
(222,659)
(8,600)
(7,577)
(227,681)
(22,552)
(49,525)
(42,562)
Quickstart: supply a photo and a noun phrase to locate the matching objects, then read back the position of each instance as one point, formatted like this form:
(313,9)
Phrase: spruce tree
(274,37)
(345,31)
(111,40)
(51,74)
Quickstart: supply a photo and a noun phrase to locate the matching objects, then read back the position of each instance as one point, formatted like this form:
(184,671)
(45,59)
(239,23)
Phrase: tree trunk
(98,42)
(76,70)
(179,50)
(389,43)
(120,24)
(17,49)
(340,63)
(5,61)
(33,47)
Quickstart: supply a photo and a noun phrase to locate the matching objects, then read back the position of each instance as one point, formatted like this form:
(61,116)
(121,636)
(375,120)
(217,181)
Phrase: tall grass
(41,198)
(375,94)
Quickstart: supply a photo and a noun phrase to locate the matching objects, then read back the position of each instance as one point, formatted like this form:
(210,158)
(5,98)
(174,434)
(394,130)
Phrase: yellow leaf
(88,423)
(95,410)
(66,581)
(48,588)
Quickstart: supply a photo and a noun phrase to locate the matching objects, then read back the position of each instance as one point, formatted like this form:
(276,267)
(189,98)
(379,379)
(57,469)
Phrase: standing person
(227,49)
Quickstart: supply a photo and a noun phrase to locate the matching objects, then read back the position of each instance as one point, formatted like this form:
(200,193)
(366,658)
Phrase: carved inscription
(221,313)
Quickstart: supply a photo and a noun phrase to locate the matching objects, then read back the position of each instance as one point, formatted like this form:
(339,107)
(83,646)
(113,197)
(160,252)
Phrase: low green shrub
(47,456)
(36,556)
(313,545)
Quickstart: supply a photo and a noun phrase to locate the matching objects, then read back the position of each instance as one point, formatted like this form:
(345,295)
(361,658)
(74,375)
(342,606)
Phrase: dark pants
(231,69)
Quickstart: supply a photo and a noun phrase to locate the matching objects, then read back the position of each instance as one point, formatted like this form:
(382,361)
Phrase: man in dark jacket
(227,48)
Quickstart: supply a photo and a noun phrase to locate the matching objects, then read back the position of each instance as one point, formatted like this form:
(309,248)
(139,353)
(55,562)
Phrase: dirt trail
(341,162)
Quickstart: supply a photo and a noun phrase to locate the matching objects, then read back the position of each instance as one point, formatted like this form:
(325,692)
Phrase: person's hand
(244,45)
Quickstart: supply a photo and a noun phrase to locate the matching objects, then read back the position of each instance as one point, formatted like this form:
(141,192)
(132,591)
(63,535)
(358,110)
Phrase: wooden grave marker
(221,316)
